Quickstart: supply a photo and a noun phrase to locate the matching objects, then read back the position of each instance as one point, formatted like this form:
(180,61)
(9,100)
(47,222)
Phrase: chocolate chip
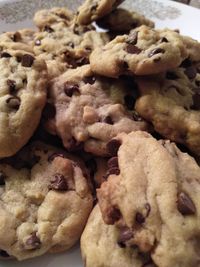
(156,51)
(108,120)
(129,101)
(196,101)
(12,86)
(132,49)
(113,163)
(185,204)
(171,75)
(5,55)
(139,218)
(114,215)
(27,60)
(124,235)
(113,147)
(70,89)
(94,7)
(71,44)
(186,63)
(13,102)
(88,48)
(82,61)
(55,155)
(4,254)
(132,38)
(89,79)
(33,242)
(48,29)
(113,170)
(37,42)
(16,37)
(2,178)
(191,72)
(58,183)
(164,40)
(74,145)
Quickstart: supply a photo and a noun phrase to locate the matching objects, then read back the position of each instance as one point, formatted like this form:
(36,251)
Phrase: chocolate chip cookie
(155,195)
(44,201)
(92,10)
(91,110)
(122,21)
(101,245)
(144,51)
(171,103)
(22,97)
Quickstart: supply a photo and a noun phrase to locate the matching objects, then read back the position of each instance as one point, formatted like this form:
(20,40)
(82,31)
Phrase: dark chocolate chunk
(132,38)
(139,218)
(27,60)
(108,120)
(33,242)
(113,147)
(13,102)
(16,37)
(58,183)
(70,89)
(2,178)
(12,86)
(132,49)
(89,79)
(156,51)
(5,54)
(185,204)
(114,215)
(164,40)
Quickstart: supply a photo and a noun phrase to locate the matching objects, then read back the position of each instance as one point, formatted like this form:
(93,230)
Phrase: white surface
(188,22)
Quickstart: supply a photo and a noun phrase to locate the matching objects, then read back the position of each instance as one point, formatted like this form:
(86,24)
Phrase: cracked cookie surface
(44,201)
(156,195)
(22,97)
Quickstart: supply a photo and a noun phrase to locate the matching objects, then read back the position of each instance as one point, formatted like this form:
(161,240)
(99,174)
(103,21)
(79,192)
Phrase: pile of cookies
(88,119)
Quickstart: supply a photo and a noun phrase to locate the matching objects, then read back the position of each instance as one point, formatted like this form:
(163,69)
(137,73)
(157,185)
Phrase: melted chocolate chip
(156,51)
(27,60)
(171,76)
(108,120)
(113,163)
(191,72)
(58,183)
(74,145)
(129,101)
(38,42)
(2,178)
(185,205)
(55,155)
(13,102)
(132,39)
(12,86)
(33,242)
(132,49)
(5,55)
(90,79)
(139,218)
(48,29)
(71,89)
(16,37)
(4,254)
(164,40)
(113,147)
(114,215)
(124,235)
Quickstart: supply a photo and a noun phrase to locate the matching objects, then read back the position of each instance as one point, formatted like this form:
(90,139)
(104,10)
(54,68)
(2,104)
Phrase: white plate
(17,14)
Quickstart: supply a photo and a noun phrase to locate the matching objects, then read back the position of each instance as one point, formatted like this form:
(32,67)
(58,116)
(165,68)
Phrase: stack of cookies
(91,117)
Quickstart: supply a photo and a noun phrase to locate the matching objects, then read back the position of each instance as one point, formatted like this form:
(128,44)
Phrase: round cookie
(144,51)
(44,201)
(91,110)
(122,21)
(92,10)
(22,98)
(47,17)
(156,195)
(101,245)
(171,103)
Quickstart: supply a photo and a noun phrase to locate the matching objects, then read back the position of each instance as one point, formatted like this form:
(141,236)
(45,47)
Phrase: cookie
(171,104)
(193,48)
(47,17)
(23,95)
(156,195)
(101,245)
(144,51)
(91,110)
(92,10)
(122,21)
(44,203)
(66,47)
